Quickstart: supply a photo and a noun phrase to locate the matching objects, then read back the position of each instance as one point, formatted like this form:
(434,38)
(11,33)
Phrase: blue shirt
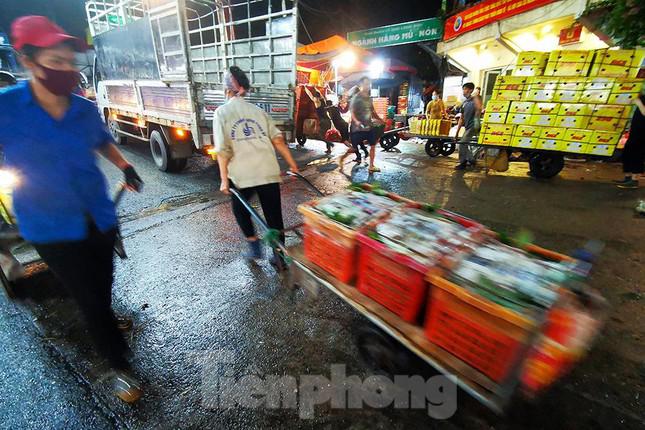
(59,182)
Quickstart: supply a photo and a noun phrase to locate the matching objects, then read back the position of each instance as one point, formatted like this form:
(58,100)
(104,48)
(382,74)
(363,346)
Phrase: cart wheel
(301,140)
(381,351)
(448,148)
(433,147)
(546,166)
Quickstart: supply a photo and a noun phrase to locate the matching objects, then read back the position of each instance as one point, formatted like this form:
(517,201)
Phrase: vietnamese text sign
(397,34)
(487,12)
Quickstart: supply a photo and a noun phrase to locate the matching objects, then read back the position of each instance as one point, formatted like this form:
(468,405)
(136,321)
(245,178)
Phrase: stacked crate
(563,109)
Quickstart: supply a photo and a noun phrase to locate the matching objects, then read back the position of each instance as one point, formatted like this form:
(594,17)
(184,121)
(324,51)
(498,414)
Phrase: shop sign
(487,12)
(397,34)
(571,34)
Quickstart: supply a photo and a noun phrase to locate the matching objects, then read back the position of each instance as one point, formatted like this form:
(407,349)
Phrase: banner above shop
(487,12)
(397,34)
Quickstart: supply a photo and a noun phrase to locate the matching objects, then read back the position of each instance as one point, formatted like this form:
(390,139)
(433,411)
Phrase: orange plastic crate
(337,257)
(394,280)
(484,335)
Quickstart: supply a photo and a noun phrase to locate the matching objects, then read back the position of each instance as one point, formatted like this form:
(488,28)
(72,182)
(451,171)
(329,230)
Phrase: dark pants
(85,269)
(634,155)
(359,138)
(270,200)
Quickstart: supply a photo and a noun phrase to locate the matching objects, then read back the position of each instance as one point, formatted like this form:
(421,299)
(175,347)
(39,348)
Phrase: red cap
(40,32)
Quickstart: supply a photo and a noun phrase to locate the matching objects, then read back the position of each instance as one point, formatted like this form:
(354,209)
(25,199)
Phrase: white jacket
(243,133)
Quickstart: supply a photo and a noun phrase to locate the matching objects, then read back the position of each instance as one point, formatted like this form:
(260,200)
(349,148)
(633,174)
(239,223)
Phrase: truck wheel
(301,140)
(433,147)
(160,151)
(114,127)
(546,166)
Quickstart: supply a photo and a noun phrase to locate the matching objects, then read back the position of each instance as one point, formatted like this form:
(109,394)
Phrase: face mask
(59,82)
(434,97)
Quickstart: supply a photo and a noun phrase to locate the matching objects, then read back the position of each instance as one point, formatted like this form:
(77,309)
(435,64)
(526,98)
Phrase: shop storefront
(485,39)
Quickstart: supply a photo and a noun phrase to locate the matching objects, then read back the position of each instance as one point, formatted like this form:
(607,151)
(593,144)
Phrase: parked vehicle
(10,69)
(160,63)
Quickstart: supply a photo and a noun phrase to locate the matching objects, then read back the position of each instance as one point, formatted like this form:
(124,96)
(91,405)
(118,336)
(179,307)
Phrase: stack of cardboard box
(564,110)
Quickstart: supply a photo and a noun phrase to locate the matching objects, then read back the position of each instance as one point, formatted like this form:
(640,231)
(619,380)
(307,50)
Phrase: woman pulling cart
(246,140)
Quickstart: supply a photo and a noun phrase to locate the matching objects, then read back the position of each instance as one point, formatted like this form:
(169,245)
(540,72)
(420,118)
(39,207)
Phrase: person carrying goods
(634,152)
(470,111)
(321,111)
(246,140)
(364,119)
(50,138)
(436,109)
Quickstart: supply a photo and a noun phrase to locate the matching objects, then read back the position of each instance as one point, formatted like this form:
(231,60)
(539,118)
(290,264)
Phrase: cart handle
(306,181)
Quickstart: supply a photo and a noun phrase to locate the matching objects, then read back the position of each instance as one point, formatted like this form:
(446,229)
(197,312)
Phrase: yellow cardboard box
(611,71)
(552,133)
(518,118)
(543,120)
(623,57)
(508,95)
(529,58)
(605,150)
(521,107)
(571,84)
(622,98)
(572,121)
(613,111)
(606,123)
(572,56)
(524,142)
(551,144)
(495,117)
(629,111)
(571,69)
(575,147)
(539,95)
(597,83)
(497,129)
(497,106)
(534,83)
(534,70)
(527,131)
(505,79)
(604,138)
(577,135)
(595,96)
(546,108)
(567,96)
(627,86)
(494,139)
(575,109)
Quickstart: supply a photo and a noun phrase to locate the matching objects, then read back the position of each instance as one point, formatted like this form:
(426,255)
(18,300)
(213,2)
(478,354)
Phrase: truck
(160,64)
(11,71)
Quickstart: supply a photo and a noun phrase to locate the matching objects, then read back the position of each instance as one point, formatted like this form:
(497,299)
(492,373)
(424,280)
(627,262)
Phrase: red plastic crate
(336,257)
(483,334)
(394,280)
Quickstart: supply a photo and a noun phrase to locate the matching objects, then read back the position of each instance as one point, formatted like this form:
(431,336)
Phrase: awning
(319,55)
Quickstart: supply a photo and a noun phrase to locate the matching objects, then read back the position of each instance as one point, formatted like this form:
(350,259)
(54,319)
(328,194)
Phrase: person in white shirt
(246,141)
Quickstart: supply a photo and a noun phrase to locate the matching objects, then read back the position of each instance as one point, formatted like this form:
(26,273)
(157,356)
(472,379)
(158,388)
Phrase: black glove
(132,179)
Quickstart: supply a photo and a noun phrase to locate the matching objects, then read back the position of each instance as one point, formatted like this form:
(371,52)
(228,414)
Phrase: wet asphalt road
(191,295)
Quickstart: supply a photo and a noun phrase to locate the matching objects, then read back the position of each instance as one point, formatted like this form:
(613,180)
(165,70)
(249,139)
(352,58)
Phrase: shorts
(358,137)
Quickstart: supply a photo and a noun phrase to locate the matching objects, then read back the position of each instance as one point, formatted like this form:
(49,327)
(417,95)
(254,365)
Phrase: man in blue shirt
(50,138)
